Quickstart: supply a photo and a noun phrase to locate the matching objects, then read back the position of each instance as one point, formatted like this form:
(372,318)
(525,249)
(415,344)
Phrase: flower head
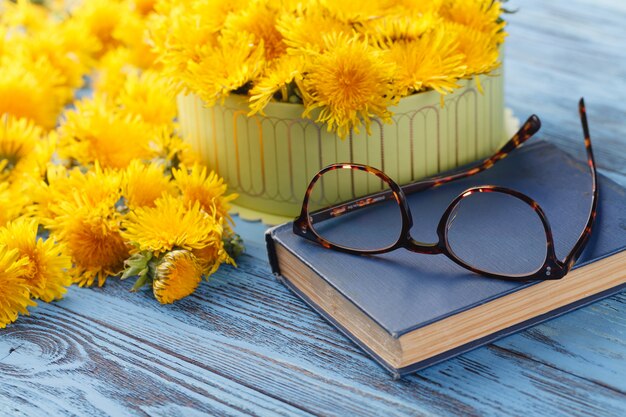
(301,30)
(54,45)
(31,89)
(143,184)
(198,185)
(84,217)
(149,96)
(14,292)
(177,275)
(131,32)
(480,15)
(95,132)
(45,272)
(480,52)
(12,202)
(24,14)
(91,235)
(354,12)
(351,82)
(258,20)
(24,149)
(100,18)
(431,62)
(278,77)
(184,33)
(171,224)
(235,61)
(405,25)
(143,7)
(113,70)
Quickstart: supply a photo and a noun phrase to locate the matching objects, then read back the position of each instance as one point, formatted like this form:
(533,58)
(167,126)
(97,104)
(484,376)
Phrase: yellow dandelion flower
(198,185)
(478,30)
(420,6)
(480,15)
(93,132)
(12,203)
(431,62)
(92,237)
(479,49)
(25,14)
(83,215)
(212,256)
(14,293)
(45,273)
(100,18)
(18,139)
(131,32)
(25,151)
(95,187)
(80,46)
(185,32)
(143,7)
(302,29)
(171,224)
(231,64)
(358,11)
(4,38)
(277,78)
(31,89)
(149,96)
(113,70)
(351,82)
(173,150)
(259,20)
(43,193)
(406,25)
(143,184)
(177,276)
(63,47)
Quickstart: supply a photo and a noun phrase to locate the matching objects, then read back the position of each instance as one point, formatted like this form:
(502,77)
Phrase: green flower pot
(270,159)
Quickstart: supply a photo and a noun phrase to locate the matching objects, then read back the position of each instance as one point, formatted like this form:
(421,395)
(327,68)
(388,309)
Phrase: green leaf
(137,264)
(143,279)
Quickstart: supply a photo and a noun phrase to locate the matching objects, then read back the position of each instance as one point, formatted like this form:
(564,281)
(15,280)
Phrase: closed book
(410,311)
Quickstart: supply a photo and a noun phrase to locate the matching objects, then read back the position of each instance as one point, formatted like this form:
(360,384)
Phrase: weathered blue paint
(244,345)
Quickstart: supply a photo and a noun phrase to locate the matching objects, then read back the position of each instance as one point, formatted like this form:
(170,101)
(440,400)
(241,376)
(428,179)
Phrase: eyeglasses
(479,230)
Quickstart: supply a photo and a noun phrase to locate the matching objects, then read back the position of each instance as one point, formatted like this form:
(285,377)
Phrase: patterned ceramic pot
(269,160)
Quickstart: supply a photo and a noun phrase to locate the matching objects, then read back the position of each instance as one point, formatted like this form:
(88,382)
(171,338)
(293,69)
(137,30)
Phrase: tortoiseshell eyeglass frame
(552,268)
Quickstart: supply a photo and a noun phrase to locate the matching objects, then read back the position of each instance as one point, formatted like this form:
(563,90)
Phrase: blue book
(410,311)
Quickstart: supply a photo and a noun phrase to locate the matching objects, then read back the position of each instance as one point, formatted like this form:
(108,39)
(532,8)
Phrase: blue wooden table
(243,344)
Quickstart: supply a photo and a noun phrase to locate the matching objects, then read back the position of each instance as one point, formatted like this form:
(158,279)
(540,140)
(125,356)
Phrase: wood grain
(244,345)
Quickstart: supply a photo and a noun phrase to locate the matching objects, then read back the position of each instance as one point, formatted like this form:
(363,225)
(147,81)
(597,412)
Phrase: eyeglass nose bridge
(422,247)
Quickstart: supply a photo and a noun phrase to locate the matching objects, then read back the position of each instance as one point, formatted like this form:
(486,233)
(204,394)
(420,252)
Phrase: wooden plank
(559,51)
(589,343)
(63,364)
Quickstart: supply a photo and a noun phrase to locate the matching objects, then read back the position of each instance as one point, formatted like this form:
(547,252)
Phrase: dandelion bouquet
(94,180)
(345,61)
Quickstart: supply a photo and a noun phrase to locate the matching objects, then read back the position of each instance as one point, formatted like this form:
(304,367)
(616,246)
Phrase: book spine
(271,251)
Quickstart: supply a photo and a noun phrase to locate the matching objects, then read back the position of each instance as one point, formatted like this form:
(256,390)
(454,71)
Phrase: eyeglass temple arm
(530,127)
(571,259)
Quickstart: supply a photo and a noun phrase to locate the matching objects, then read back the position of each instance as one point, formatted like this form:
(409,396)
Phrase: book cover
(402,292)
